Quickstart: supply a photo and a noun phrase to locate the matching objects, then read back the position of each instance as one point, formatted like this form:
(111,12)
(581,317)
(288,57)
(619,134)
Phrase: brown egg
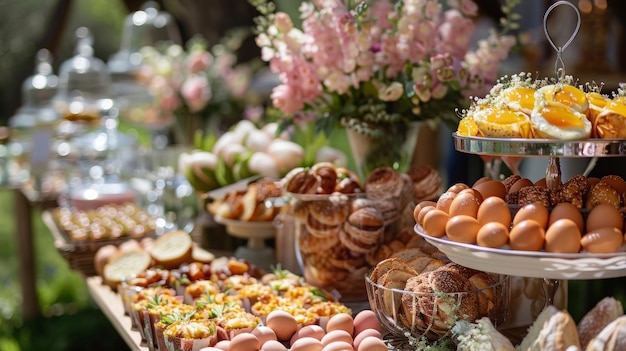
(245,341)
(563,236)
(521,183)
(602,240)
(305,344)
(273,345)
(456,188)
(493,234)
(445,200)
(264,333)
(365,334)
(419,207)
(341,321)
(422,214)
(527,235)
(338,346)
(535,211)
(604,215)
(283,324)
(491,188)
(465,203)
(366,319)
(462,229)
(481,180)
(494,209)
(435,223)
(336,336)
(372,343)
(311,331)
(567,210)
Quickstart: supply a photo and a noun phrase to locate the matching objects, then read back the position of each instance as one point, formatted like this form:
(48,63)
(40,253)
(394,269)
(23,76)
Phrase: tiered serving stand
(551,267)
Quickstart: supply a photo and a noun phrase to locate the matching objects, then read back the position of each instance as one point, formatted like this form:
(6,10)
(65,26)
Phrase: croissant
(610,122)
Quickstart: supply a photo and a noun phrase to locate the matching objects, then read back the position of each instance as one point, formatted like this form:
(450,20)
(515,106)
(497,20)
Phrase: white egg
(287,154)
(257,140)
(332,155)
(263,164)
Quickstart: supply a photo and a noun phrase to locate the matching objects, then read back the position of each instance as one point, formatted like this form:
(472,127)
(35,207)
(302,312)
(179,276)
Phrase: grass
(70,320)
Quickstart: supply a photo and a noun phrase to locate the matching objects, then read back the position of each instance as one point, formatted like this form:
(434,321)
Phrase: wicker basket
(79,255)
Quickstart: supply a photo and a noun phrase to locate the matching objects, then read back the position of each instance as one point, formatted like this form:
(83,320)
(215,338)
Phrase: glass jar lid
(84,74)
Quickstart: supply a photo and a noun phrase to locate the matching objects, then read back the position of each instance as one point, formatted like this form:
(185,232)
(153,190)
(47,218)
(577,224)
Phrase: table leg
(24,224)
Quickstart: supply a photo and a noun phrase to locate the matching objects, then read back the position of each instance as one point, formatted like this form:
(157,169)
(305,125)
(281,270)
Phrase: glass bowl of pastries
(428,304)
(341,224)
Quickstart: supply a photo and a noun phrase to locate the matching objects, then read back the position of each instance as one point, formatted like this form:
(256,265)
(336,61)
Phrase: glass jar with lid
(84,80)
(150,26)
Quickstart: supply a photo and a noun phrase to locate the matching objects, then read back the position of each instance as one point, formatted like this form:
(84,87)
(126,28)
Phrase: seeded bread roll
(439,313)
(552,330)
(611,338)
(604,312)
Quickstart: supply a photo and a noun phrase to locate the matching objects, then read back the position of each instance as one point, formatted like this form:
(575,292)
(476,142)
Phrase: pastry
(426,181)
(383,183)
(300,181)
(363,230)
(331,212)
(605,311)
(552,330)
(327,174)
(611,338)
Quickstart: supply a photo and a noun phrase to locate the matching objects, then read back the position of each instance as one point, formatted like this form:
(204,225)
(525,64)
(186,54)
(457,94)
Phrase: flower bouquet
(376,67)
(200,87)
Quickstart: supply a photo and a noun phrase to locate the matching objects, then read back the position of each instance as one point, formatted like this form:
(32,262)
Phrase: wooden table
(110,303)
(25,202)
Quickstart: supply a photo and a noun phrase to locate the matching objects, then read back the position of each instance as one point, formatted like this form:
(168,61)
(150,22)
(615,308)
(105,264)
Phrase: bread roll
(611,338)
(124,265)
(172,249)
(552,330)
(604,312)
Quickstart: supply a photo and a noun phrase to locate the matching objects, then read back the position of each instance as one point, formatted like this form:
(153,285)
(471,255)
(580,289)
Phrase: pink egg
(313,331)
(283,324)
(338,346)
(223,345)
(366,319)
(372,344)
(209,348)
(365,334)
(337,335)
(306,344)
(341,321)
(264,333)
(273,345)
(245,341)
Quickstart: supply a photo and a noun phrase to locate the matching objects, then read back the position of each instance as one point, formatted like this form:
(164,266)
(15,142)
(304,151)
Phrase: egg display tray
(540,147)
(532,264)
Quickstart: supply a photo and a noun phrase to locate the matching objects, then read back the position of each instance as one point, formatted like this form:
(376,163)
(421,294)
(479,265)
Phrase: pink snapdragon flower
(197,92)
